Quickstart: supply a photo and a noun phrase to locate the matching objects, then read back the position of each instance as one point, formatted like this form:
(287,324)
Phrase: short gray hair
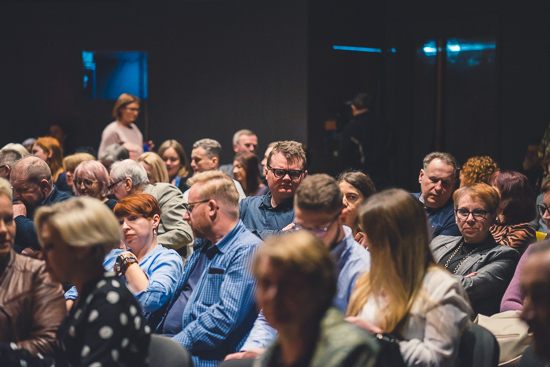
(114,153)
(34,170)
(10,157)
(212,147)
(239,133)
(18,148)
(445,157)
(130,169)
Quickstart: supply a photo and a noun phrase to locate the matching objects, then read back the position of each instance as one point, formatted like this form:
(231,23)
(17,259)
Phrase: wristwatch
(123,261)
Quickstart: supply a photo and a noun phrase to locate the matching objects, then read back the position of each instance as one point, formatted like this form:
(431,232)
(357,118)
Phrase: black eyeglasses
(478,214)
(190,206)
(542,209)
(280,173)
(110,187)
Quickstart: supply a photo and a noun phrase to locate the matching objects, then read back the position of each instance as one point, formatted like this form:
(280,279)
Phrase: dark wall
(214,67)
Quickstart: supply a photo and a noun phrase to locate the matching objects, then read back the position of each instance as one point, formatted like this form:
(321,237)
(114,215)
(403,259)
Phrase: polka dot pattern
(113,297)
(123,319)
(93,316)
(85,351)
(106,332)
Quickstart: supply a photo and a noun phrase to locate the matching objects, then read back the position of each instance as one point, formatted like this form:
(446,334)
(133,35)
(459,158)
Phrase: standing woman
(177,164)
(105,325)
(405,292)
(49,150)
(246,170)
(92,179)
(122,130)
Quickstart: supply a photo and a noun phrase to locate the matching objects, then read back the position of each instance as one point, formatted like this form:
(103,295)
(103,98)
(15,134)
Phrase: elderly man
(285,169)
(243,141)
(32,183)
(9,157)
(437,183)
(319,210)
(215,309)
(129,177)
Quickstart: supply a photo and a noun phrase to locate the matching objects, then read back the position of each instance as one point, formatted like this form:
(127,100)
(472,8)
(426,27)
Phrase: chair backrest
(478,348)
(165,352)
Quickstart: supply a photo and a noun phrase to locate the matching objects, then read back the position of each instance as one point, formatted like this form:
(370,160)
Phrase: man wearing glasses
(318,206)
(285,169)
(214,309)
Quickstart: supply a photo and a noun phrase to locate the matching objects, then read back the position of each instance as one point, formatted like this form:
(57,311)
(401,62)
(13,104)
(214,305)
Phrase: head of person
(134,150)
(19,148)
(246,170)
(535,287)
(285,169)
(476,170)
(296,280)
(360,103)
(126,109)
(245,141)
(59,132)
(543,209)
(356,187)
(8,158)
(397,232)
(205,155)
(517,198)
(49,150)
(127,177)
(266,153)
(213,199)
(7,223)
(139,218)
(437,179)
(72,161)
(154,166)
(113,153)
(175,158)
(31,179)
(318,208)
(76,235)
(91,179)
(28,144)
(476,211)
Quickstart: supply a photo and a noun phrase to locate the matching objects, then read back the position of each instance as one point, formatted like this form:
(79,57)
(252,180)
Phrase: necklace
(461,261)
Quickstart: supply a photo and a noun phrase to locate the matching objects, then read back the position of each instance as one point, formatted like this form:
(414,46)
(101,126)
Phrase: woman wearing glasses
(92,179)
(484,267)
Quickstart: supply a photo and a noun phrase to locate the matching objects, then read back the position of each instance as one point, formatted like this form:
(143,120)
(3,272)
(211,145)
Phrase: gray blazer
(495,268)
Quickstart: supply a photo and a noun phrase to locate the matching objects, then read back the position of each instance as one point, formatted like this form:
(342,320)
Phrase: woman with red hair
(49,150)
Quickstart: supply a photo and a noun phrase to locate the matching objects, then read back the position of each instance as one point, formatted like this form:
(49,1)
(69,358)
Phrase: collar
(49,198)
(283,206)
(204,245)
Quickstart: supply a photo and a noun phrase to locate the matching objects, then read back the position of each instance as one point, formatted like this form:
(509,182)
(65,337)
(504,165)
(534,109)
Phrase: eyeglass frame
(111,186)
(189,209)
(542,209)
(473,213)
(78,182)
(318,232)
(288,172)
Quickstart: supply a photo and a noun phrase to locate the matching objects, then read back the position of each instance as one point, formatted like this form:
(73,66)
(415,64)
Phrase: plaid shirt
(221,309)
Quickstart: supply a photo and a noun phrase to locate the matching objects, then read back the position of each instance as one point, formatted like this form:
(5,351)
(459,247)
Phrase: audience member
(215,310)
(129,177)
(246,171)
(32,304)
(8,158)
(32,187)
(484,267)
(437,183)
(517,208)
(154,166)
(105,326)
(113,153)
(49,150)
(285,169)
(70,163)
(405,293)
(539,223)
(92,179)
(59,132)
(296,286)
(243,141)
(28,144)
(122,130)
(266,153)
(356,187)
(477,170)
(176,162)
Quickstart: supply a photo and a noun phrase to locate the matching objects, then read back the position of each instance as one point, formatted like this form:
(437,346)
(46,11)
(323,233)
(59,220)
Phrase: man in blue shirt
(285,169)
(319,209)
(437,183)
(215,308)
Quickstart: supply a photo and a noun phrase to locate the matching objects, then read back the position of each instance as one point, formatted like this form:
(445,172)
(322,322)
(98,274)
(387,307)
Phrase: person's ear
(212,207)
(45,186)
(420,176)
(50,153)
(305,173)
(128,184)
(156,220)
(215,161)
(265,170)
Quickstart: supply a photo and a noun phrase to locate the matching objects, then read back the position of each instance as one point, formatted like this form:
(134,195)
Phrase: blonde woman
(406,293)
(154,166)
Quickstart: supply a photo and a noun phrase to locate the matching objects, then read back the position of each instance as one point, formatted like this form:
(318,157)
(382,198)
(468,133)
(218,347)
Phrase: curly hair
(477,170)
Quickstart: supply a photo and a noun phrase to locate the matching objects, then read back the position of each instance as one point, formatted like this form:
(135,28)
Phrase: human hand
(364,324)
(19,209)
(288,227)
(248,354)
(30,252)
(470,275)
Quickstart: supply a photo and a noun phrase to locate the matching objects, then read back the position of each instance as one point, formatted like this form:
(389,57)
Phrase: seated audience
(405,293)
(32,304)
(437,183)
(477,170)
(92,179)
(70,163)
(176,162)
(105,326)
(113,153)
(49,150)
(154,166)
(356,187)
(9,157)
(296,286)
(246,171)
(215,308)
(516,210)
(539,223)
(243,141)
(484,267)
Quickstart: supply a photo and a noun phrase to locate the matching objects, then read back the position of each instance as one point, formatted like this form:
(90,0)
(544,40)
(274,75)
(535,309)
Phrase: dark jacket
(31,305)
(442,220)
